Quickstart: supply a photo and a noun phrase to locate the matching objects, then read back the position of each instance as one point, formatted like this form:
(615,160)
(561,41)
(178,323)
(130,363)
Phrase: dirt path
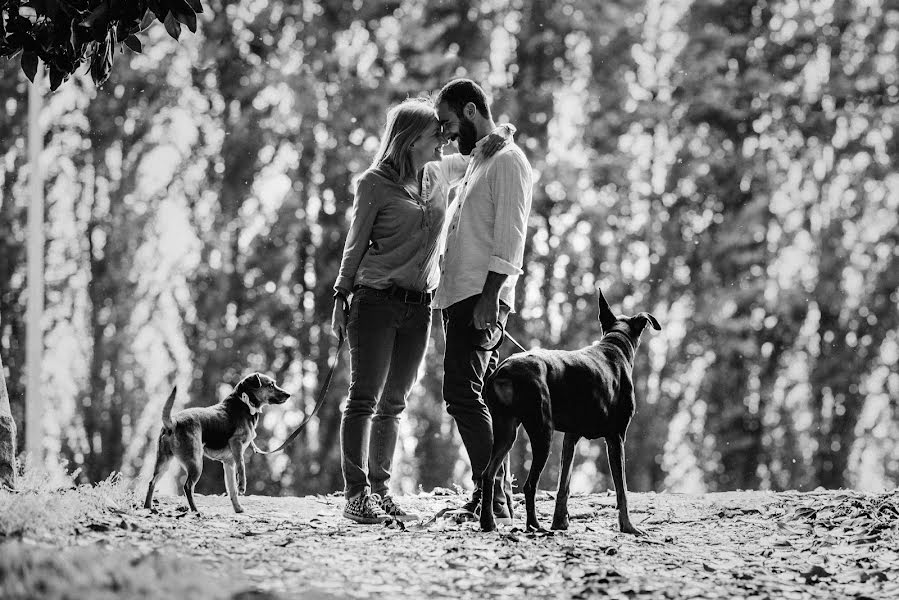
(730,545)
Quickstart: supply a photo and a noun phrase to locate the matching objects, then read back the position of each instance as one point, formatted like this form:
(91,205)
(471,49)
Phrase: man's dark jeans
(465,367)
(387,339)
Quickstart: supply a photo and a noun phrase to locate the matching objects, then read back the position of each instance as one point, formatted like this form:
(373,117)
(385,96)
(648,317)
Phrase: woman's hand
(496,139)
(338,317)
(493,143)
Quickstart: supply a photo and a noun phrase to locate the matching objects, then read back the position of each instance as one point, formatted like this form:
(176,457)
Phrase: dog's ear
(652,320)
(606,316)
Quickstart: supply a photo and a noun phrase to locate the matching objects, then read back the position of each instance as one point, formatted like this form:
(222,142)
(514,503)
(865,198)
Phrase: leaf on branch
(172,26)
(133,43)
(29,64)
(57,76)
(96,15)
(196,5)
(101,64)
(188,18)
(148,19)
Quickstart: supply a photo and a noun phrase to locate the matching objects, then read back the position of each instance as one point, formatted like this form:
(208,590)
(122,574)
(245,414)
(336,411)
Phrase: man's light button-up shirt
(488,226)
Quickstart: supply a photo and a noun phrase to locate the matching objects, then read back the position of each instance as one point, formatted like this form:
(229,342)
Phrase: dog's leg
(615,448)
(163,458)
(231,486)
(194,468)
(541,436)
(560,516)
(505,429)
(237,452)
(508,489)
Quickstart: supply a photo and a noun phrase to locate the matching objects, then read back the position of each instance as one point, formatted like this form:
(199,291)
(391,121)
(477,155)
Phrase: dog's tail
(167,410)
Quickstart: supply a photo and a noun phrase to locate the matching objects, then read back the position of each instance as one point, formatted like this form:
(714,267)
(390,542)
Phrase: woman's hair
(406,122)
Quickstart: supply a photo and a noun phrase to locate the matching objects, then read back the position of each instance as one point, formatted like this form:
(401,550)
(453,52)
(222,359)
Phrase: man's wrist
(491,294)
(493,285)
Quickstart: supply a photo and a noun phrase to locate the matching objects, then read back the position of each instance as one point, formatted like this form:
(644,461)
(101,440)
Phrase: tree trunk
(7,437)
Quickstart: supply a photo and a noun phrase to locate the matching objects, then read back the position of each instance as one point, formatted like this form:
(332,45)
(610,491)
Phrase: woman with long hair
(389,270)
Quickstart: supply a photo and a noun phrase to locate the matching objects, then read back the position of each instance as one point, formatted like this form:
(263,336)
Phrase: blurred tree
(13,130)
(725,164)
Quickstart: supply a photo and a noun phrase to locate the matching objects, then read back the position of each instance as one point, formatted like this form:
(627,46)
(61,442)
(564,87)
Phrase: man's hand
(486,311)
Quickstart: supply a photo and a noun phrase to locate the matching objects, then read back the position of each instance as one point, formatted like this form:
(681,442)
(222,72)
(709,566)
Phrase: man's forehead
(445,114)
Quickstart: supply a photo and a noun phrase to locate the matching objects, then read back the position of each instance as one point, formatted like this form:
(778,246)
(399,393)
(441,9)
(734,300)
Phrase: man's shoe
(391,509)
(470,510)
(364,509)
(501,513)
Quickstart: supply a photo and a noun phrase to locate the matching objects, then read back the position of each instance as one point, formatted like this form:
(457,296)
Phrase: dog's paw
(238,509)
(535,526)
(560,524)
(488,526)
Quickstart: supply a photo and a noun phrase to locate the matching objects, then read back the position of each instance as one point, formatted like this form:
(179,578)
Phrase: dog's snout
(281,396)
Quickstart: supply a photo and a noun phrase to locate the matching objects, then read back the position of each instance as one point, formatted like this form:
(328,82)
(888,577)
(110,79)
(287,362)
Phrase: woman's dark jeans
(388,339)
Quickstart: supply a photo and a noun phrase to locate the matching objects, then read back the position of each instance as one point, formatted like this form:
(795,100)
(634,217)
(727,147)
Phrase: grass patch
(47,502)
(52,574)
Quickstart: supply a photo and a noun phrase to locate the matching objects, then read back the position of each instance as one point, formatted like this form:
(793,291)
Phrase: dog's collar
(622,335)
(246,400)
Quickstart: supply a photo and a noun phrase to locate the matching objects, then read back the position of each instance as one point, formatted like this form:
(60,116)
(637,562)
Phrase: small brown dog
(221,432)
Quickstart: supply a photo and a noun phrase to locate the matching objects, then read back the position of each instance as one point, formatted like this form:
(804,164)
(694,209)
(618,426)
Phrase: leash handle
(504,335)
(318,404)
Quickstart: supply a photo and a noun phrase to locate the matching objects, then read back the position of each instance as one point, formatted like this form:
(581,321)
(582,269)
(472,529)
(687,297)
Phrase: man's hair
(459,92)
(406,122)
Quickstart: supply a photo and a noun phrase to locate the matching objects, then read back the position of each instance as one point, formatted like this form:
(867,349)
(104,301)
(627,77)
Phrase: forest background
(728,165)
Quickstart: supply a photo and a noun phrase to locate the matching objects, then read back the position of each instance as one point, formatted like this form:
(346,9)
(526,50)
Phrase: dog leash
(318,405)
(513,340)
(507,336)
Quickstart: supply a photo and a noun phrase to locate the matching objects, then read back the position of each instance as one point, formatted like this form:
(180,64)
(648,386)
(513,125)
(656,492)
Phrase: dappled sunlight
(730,167)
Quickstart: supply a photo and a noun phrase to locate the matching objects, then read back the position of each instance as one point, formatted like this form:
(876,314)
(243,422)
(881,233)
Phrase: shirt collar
(478,151)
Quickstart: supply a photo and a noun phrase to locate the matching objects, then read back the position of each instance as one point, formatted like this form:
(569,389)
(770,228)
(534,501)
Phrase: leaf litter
(822,544)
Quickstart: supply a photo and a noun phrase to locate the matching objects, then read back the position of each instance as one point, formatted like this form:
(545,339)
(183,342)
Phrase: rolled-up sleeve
(511,189)
(359,236)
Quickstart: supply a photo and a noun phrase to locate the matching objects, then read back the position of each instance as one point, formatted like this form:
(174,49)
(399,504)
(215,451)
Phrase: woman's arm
(357,240)
(454,166)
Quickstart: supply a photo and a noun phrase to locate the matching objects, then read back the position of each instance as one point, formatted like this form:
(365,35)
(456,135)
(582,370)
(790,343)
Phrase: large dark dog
(584,393)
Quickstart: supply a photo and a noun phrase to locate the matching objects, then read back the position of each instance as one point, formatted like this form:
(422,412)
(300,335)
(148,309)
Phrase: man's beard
(468,136)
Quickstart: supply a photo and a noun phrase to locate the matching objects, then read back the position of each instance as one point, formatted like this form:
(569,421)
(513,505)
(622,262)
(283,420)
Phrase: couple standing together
(408,250)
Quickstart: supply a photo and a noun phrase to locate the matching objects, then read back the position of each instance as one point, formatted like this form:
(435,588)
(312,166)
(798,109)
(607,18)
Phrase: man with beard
(484,252)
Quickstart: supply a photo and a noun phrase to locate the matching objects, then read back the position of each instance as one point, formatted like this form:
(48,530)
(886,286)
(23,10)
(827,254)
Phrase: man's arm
(486,310)
(510,188)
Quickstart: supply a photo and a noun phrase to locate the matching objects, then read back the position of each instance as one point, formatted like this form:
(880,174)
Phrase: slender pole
(34,332)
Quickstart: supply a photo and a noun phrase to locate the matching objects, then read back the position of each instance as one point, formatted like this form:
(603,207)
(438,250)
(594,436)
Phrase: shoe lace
(390,507)
(372,503)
